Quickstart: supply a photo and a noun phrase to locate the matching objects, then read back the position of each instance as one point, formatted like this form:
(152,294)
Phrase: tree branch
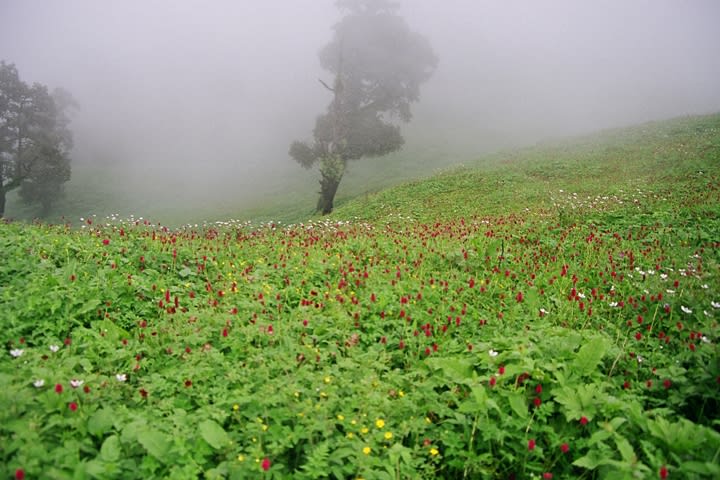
(326,85)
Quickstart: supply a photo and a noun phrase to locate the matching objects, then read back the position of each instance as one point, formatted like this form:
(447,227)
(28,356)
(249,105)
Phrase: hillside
(544,313)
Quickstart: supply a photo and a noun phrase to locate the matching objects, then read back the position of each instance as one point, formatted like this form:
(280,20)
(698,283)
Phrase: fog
(195,102)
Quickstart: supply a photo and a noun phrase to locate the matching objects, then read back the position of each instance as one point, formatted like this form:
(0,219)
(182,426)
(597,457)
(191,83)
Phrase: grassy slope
(611,203)
(656,157)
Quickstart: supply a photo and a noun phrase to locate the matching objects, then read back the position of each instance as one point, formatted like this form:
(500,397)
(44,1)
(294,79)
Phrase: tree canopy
(378,65)
(35,139)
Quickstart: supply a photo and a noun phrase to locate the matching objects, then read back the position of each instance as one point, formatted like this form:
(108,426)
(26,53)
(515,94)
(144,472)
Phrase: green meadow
(549,312)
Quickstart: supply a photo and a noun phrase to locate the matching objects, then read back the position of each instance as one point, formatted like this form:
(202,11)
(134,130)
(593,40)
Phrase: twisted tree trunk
(328,188)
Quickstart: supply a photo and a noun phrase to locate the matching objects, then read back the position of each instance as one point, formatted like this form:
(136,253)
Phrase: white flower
(39,383)
(492,353)
(16,352)
(543,311)
(121,377)
(54,348)
(76,383)
(685,309)
(581,295)
(705,339)
(715,304)
(639,359)
(670,291)
(613,304)
(704,286)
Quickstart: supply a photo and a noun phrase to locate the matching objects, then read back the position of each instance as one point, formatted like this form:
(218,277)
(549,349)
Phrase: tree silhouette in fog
(378,65)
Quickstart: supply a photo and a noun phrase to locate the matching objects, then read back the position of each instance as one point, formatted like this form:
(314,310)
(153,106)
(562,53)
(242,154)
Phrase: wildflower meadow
(546,313)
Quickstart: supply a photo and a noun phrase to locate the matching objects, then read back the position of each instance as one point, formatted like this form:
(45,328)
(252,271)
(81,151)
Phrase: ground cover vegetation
(547,313)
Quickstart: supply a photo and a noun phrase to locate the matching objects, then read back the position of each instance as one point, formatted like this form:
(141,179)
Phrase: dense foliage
(572,337)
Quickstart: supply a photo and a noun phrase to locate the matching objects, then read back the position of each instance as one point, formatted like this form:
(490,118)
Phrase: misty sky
(193,91)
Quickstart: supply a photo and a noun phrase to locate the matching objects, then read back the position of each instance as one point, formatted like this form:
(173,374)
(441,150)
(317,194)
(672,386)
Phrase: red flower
(667,383)
(58,388)
(626,384)
(73,406)
(547,475)
(225,332)
(537,401)
(493,380)
(19,474)
(564,448)
(501,369)
(188,383)
(583,420)
(538,389)
(531,444)
(143,393)
(663,472)
(265,464)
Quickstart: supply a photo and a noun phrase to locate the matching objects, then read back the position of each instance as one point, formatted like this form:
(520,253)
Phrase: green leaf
(96,469)
(156,443)
(626,451)
(455,369)
(110,450)
(213,434)
(518,405)
(589,356)
(701,468)
(100,422)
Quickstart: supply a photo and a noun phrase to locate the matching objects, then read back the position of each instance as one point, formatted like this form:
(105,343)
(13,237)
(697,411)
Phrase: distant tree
(378,65)
(34,140)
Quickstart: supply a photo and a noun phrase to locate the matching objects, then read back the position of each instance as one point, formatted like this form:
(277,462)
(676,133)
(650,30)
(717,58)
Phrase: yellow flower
(366,450)
(379,423)
(327,379)
(353,422)
(350,435)
(401,393)
(236,407)
(364,430)
(264,427)
(388,435)
(341,417)
(434,451)
(241,458)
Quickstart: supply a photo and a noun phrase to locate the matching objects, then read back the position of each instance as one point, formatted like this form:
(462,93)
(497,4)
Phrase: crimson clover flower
(564,448)
(58,388)
(265,464)
(583,420)
(531,444)
(73,406)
